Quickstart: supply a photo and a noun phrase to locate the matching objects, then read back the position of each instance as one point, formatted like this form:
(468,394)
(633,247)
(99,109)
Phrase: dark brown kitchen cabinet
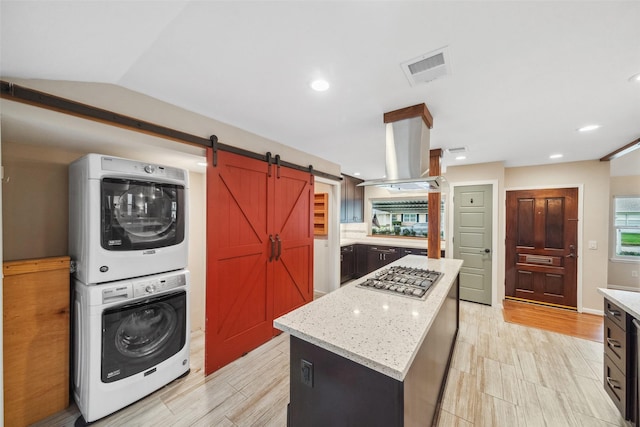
(347,263)
(368,258)
(351,200)
(412,251)
(620,360)
(379,256)
(361,261)
(259,252)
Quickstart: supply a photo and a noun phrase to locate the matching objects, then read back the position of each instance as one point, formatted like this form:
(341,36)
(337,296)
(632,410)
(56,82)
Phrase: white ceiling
(525,74)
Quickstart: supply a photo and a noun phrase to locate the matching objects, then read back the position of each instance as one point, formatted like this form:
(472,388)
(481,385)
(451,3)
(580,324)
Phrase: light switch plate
(593,244)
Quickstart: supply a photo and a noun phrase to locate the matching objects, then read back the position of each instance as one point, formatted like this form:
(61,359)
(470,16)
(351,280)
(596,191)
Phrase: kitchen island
(621,363)
(360,356)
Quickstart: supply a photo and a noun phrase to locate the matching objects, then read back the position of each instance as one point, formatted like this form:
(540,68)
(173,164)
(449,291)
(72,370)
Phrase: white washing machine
(126,218)
(131,338)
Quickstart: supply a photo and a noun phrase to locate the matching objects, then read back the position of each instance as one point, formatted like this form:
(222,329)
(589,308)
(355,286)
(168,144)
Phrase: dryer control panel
(153,285)
(140,287)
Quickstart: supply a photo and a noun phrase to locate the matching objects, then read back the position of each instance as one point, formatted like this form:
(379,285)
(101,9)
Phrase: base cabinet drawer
(616,344)
(615,384)
(616,315)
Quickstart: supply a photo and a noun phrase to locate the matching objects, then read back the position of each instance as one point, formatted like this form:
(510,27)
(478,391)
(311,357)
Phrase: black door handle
(273,247)
(279,247)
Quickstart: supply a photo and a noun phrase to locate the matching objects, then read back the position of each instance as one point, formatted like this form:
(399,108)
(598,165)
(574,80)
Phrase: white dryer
(126,218)
(132,338)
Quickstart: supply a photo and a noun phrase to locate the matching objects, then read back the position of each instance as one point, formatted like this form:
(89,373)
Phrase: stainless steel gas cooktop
(406,281)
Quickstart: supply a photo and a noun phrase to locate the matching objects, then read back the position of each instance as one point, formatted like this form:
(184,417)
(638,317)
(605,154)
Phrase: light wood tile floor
(502,374)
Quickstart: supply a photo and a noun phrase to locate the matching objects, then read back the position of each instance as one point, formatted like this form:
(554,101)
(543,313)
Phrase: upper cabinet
(351,200)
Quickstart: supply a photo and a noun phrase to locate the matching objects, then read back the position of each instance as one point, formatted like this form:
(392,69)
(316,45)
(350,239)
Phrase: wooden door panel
(524,284)
(241,298)
(294,195)
(259,252)
(239,312)
(553,285)
(293,223)
(292,287)
(541,245)
(525,218)
(554,224)
(241,202)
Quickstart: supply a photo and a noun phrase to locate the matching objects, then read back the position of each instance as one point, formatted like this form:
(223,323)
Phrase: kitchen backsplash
(353,230)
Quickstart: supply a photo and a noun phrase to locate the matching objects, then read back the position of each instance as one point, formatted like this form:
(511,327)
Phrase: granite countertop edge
(628,300)
(393,346)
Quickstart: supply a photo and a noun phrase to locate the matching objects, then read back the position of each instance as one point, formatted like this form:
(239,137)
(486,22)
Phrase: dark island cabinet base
(329,390)
(341,393)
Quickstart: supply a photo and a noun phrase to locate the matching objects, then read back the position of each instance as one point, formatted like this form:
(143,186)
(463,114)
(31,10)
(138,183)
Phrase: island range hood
(408,152)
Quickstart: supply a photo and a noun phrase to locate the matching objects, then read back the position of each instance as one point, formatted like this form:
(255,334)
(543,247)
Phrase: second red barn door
(259,252)
(293,224)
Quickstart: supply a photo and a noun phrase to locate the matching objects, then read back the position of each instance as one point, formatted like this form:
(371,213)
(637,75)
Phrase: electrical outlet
(306,372)
(634,273)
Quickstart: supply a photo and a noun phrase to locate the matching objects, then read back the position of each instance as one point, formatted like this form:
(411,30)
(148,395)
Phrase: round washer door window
(147,330)
(146,210)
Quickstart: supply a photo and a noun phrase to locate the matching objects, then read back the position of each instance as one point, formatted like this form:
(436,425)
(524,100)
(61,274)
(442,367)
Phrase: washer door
(140,335)
(139,215)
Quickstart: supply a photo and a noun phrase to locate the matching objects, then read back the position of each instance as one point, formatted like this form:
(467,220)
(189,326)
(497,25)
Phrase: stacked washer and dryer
(128,238)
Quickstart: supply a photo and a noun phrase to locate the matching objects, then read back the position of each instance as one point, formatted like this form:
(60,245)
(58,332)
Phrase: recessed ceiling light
(588,128)
(555,156)
(320,85)
(202,163)
(461,157)
(635,78)
(356,174)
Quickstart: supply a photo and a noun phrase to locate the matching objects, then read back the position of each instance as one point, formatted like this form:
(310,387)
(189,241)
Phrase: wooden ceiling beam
(419,110)
(633,145)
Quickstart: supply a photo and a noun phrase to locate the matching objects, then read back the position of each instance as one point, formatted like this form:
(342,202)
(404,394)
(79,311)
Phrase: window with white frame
(626,224)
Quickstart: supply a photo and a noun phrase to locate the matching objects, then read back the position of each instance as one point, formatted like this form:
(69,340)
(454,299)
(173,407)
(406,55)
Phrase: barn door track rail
(25,95)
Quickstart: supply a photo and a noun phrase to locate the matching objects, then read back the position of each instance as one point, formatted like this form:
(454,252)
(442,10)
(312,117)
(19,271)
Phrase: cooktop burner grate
(400,280)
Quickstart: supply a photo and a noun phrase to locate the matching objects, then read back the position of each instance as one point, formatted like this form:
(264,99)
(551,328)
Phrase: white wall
(620,272)
(197,248)
(592,177)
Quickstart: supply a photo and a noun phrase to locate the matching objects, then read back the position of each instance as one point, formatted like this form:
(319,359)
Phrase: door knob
(486,250)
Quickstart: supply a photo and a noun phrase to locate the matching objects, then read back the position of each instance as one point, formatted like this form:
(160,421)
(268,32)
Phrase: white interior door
(472,225)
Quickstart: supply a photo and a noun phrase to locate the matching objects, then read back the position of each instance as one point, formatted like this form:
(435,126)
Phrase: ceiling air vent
(427,67)
(457,150)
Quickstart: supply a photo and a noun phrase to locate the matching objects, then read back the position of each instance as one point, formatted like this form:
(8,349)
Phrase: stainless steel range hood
(407,154)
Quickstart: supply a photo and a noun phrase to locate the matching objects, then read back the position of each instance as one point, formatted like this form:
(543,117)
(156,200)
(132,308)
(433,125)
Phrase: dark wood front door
(541,245)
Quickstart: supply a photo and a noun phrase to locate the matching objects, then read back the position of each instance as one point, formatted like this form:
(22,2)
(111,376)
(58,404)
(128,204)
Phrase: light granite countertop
(629,301)
(379,330)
